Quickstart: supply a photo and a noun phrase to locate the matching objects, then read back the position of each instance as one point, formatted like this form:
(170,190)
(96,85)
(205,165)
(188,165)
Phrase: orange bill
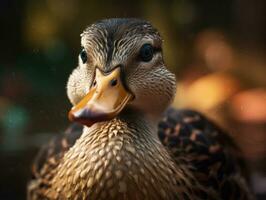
(105,100)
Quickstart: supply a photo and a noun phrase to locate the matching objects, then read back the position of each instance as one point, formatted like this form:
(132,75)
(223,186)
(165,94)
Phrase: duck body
(126,148)
(114,160)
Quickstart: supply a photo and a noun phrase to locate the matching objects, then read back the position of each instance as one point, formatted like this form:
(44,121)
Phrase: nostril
(113,82)
(94,83)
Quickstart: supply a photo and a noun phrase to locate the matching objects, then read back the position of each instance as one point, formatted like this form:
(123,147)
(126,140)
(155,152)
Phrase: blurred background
(216,48)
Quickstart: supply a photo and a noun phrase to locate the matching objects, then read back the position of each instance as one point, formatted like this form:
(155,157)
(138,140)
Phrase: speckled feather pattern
(210,154)
(118,161)
(103,164)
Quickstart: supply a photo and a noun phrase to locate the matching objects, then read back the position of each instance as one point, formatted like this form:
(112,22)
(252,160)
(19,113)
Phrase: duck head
(120,66)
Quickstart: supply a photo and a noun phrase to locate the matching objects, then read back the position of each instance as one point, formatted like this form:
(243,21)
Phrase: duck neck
(130,126)
(123,155)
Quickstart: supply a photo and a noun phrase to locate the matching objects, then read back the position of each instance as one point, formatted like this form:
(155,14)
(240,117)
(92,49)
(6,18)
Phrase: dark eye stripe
(83,56)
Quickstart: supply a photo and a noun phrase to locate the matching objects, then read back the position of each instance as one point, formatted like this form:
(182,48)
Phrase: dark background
(216,48)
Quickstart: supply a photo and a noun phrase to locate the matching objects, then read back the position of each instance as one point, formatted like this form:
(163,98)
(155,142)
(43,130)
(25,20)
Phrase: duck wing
(210,154)
(48,159)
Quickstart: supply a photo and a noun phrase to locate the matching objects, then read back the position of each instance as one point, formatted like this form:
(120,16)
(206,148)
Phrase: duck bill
(105,100)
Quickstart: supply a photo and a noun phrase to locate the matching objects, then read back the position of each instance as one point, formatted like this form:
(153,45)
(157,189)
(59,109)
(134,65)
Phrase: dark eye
(146,52)
(83,55)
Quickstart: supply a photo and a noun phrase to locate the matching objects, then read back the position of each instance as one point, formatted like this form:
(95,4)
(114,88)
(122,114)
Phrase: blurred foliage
(216,48)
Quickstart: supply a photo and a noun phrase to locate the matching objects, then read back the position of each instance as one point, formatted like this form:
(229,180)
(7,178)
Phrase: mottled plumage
(211,155)
(138,154)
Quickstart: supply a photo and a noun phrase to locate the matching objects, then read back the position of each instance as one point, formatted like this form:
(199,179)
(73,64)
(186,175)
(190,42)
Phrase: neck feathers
(119,157)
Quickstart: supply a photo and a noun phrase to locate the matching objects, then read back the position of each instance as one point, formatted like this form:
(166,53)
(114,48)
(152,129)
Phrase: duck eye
(83,55)
(146,52)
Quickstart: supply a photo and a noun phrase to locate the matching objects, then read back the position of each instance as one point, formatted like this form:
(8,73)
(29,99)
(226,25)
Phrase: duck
(126,142)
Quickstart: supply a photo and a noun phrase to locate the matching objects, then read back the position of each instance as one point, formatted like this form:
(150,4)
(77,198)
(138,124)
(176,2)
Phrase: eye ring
(146,52)
(83,55)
